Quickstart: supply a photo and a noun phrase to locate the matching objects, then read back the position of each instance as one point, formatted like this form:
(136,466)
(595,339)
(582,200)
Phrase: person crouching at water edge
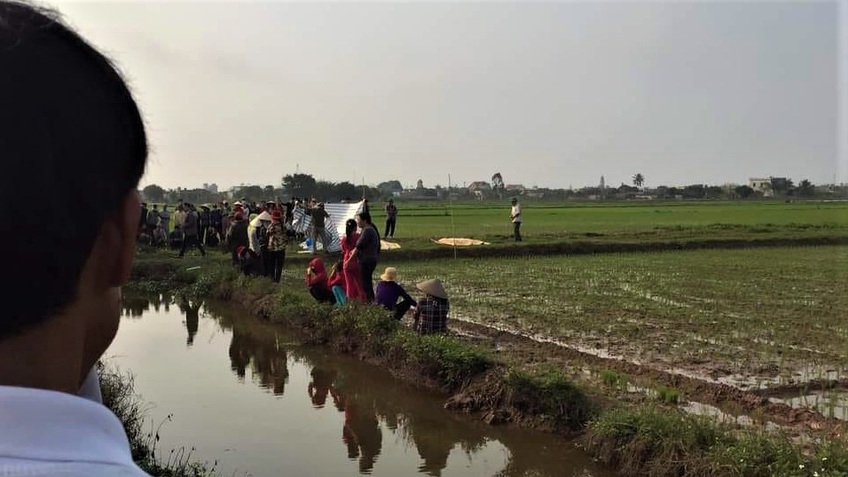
(431,313)
(317,282)
(337,284)
(388,292)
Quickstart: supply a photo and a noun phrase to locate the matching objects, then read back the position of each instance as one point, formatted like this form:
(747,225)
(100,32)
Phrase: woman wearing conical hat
(431,314)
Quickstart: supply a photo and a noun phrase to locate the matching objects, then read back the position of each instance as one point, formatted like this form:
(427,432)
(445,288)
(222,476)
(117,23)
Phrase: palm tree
(638,180)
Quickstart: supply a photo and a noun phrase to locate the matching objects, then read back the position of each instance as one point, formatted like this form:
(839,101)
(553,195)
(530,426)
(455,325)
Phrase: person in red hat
(277,242)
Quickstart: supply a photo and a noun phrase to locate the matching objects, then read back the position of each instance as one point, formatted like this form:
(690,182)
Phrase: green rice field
(621,221)
(751,317)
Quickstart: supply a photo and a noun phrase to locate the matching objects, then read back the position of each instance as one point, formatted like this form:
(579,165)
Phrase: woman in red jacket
(317,281)
(353,277)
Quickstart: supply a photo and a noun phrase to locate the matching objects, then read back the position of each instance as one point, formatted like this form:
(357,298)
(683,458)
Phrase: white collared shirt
(50,433)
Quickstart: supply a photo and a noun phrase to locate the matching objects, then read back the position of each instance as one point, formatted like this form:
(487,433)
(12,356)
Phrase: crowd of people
(257,236)
(351,279)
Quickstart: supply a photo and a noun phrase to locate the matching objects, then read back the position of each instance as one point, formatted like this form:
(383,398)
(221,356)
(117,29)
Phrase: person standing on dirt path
(515,217)
(68,120)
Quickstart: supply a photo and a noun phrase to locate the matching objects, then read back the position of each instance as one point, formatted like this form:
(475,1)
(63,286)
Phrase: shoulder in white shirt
(50,433)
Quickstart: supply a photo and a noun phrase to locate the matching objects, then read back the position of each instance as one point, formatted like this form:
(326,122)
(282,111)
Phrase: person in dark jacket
(237,235)
(389,291)
(367,251)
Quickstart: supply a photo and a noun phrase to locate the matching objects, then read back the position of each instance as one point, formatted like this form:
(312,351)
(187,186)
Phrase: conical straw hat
(433,287)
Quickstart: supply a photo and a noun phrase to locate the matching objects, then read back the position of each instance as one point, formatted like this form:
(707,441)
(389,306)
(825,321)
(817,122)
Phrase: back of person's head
(350,228)
(365,216)
(72,139)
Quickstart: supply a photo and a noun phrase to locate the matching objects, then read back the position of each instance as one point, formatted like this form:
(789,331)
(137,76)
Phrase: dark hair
(350,229)
(366,216)
(68,124)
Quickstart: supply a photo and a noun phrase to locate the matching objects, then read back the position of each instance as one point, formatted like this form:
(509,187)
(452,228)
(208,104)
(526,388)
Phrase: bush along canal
(628,419)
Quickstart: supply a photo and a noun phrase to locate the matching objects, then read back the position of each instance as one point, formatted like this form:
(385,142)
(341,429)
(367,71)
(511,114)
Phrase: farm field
(631,222)
(754,318)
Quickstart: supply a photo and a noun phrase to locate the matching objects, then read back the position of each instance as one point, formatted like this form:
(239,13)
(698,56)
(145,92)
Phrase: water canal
(243,393)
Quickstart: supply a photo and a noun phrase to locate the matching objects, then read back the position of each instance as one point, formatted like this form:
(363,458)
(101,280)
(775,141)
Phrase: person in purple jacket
(389,291)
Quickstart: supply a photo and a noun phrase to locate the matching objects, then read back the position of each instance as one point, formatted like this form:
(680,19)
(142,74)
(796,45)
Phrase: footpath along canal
(247,396)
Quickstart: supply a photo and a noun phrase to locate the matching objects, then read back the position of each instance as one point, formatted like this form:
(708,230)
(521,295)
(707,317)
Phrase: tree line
(306,186)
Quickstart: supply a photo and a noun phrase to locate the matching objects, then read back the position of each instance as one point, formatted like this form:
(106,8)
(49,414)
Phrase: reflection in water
(323,380)
(365,399)
(369,403)
(264,356)
(361,431)
(192,318)
(135,306)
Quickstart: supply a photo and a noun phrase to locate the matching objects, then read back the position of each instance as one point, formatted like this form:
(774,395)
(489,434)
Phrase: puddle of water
(833,404)
(244,394)
(720,416)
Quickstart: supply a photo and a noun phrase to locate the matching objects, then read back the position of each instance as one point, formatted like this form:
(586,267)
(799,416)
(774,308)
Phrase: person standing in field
(367,251)
(191,232)
(165,219)
(319,215)
(515,217)
(142,221)
(67,119)
(391,218)
(237,235)
(277,241)
(353,275)
(179,216)
(152,220)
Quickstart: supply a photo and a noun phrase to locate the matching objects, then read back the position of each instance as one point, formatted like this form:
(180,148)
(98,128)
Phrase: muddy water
(247,395)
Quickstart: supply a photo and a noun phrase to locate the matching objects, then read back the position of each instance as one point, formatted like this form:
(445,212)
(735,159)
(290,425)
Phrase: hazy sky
(549,94)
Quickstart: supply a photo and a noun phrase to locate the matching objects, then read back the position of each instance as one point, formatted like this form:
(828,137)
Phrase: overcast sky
(548,94)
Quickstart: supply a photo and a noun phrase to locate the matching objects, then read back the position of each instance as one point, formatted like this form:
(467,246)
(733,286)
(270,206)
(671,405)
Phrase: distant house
(761,185)
(479,185)
(517,188)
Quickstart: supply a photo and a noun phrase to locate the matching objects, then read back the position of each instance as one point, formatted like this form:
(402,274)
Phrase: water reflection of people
(361,433)
(268,360)
(434,445)
(134,306)
(192,321)
(322,381)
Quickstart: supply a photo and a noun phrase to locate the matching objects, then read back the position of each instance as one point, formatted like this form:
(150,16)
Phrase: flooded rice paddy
(247,397)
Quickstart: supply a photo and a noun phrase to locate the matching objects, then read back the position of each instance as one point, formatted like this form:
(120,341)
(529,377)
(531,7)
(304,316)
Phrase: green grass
(613,379)
(622,221)
(760,313)
(668,395)
(655,441)
(551,395)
